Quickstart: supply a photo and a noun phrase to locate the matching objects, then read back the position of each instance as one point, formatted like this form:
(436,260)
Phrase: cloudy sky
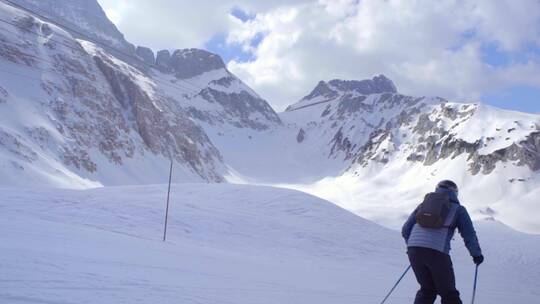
(466,50)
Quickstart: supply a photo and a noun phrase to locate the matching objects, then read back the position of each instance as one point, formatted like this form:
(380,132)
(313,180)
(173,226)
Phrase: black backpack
(433,211)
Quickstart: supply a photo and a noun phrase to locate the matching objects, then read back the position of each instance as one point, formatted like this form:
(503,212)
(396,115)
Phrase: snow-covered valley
(226,244)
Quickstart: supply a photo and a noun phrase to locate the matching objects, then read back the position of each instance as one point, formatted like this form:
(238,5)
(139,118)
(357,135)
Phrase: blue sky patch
(234,51)
(257,40)
(218,45)
(492,55)
(242,15)
(521,98)
(465,37)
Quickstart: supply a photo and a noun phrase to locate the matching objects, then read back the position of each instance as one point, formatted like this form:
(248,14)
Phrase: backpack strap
(451,218)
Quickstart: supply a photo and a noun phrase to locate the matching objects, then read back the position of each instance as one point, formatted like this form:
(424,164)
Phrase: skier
(428,232)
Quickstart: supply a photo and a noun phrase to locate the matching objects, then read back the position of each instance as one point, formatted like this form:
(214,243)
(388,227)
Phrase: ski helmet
(448,184)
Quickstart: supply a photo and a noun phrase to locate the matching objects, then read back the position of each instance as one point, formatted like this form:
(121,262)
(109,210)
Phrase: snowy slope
(226,244)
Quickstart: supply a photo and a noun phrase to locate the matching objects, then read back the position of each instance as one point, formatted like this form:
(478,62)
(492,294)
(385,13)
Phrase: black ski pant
(435,274)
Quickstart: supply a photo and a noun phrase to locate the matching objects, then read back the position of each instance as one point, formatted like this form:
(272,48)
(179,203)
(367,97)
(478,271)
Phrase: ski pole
(397,283)
(474,286)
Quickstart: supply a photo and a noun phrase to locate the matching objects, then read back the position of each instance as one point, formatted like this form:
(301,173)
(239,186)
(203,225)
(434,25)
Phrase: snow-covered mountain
(395,147)
(75,115)
(369,121)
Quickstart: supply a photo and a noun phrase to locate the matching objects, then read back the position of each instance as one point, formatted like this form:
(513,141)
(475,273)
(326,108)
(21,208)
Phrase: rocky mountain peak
(333,89)
(322,89)
(187,63)
(376,85)
(146,54)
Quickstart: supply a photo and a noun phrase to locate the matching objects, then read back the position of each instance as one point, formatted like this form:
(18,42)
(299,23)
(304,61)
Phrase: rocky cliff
(85,116)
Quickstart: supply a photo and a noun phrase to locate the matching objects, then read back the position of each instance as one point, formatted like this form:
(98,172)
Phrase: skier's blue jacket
(439,239)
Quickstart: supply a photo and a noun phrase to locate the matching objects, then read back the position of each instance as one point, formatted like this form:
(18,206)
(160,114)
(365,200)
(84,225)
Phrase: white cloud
(427,47)
(509,23)
(167,24)
(170,24)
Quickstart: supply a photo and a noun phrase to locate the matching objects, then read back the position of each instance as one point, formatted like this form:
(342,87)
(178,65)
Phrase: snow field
(226,244)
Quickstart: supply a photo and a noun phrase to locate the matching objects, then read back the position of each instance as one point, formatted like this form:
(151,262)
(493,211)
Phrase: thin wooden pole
(167,210)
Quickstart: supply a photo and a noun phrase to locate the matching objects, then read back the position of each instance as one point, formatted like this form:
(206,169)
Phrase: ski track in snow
(226,244)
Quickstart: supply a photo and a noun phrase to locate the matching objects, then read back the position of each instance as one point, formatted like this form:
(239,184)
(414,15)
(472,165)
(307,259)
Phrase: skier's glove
(478,259)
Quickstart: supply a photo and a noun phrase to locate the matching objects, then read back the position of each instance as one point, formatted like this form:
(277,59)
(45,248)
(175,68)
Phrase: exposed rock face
(353,90)
(239,109)
(146,55)
(231,101)
(448,146)
(85,16)
(92,117)
(188,63)
(218,98)
(169,133)
(163,60)
(379,84)
(20,52)
(105,103)
(341,143)
(373,150)
(368,122)
(15,145)
(224,81)
(99,111)
(524,153)
(436,142)
(322,89)
(85,113)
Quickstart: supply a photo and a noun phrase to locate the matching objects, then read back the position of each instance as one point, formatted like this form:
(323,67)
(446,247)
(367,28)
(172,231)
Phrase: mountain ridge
(329,90)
